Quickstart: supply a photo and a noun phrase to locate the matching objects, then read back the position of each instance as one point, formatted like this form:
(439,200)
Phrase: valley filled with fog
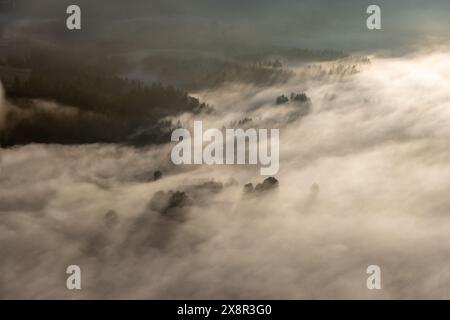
(364,179)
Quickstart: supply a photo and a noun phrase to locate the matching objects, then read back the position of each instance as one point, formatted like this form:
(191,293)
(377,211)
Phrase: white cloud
(364,180)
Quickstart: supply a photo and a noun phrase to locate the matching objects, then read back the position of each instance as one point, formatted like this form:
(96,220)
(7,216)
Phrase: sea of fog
(364,180)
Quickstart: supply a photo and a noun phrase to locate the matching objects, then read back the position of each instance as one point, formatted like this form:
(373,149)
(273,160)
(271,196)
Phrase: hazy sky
(302,23)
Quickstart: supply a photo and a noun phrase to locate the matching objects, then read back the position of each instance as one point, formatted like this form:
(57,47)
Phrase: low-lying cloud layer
(364,179)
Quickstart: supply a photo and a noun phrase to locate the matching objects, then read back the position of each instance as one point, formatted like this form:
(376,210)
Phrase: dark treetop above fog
(133,62)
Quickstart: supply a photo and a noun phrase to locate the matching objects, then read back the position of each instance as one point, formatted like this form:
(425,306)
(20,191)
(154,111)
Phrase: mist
(364,179)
